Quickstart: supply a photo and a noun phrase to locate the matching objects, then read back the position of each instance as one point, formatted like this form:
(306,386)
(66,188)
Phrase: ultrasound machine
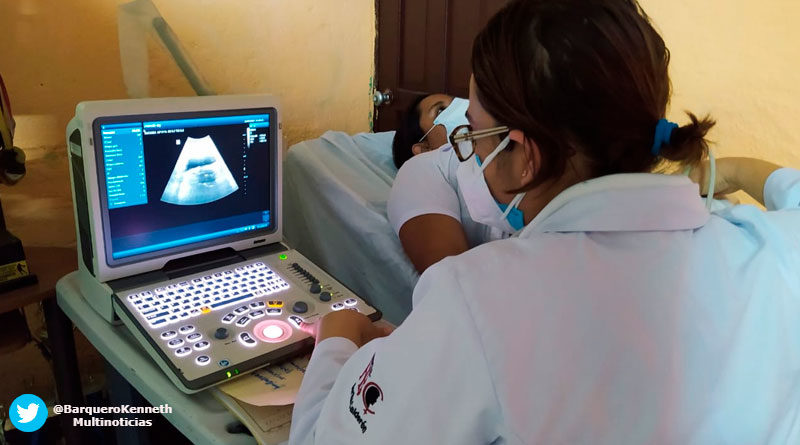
(178,216)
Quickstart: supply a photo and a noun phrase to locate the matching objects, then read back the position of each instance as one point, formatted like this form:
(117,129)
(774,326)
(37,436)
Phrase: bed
(334,198)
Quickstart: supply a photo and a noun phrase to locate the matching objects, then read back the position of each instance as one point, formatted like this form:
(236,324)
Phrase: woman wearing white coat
(623,312)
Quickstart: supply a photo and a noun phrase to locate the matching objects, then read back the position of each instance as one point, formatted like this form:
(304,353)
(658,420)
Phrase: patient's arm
(429,238)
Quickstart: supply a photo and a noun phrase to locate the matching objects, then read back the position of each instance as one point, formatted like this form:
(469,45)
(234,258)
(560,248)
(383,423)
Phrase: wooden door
(424,47)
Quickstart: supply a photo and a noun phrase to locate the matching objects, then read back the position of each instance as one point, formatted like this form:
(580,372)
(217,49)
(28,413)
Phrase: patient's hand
(726,179)
(734,174)
(348,324)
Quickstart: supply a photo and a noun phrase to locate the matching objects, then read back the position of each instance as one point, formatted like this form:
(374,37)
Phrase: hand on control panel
(351,325)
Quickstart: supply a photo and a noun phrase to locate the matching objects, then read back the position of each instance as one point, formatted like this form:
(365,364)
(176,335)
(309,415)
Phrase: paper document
(273,385)
(269,425)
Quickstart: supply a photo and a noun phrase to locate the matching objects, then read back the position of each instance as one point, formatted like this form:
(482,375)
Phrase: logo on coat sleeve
(368,393)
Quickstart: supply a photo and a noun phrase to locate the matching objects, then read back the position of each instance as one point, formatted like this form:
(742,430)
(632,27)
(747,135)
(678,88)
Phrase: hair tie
(663,134)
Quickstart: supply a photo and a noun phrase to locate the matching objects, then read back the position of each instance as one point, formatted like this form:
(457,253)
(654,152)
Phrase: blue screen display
(186,180)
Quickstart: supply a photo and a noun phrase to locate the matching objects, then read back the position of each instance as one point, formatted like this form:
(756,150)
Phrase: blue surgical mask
(514,216)
(482,206)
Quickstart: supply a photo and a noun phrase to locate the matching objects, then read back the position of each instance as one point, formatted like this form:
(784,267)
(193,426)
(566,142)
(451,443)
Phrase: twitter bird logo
(26,415)
(30,413)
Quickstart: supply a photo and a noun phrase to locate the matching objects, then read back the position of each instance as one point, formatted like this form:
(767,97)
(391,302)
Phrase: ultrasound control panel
(210,327)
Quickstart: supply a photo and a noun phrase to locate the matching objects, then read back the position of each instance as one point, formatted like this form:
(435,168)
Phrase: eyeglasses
(461,139)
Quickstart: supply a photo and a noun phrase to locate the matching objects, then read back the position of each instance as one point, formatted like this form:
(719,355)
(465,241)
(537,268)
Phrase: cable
(711,180)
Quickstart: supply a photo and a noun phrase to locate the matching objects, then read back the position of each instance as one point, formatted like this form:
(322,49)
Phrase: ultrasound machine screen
(175,182)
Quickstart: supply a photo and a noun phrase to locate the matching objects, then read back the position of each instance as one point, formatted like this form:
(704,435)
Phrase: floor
(27,370)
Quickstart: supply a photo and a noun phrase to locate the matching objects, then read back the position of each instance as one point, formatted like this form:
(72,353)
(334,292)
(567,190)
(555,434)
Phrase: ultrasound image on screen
(176,182)
(200,176)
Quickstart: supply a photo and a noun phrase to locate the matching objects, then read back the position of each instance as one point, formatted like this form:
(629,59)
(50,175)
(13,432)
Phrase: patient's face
(429,108)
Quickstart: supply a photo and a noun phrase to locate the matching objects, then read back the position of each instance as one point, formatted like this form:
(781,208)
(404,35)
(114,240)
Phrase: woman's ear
(531,155)
(419,147)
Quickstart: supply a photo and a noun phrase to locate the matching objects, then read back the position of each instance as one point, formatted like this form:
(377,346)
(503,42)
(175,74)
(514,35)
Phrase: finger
(380,331)
(384,324)
(309,328)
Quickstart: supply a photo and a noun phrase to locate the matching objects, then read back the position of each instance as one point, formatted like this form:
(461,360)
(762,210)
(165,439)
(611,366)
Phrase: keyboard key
(256,314)
(228,318)
(166,335)
(183,352)
(175,342)
(295,320)
(230,300)
(247,339)
(242,322)
(186,329)
(201,345)
(158,315)
(194,337)
(240,310)
(202,360)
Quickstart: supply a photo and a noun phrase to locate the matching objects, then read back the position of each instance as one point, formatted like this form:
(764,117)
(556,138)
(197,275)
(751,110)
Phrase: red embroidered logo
(369,392)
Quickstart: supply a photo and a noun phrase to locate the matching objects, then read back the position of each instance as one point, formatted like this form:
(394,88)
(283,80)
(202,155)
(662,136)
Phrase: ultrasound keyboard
(188,299)
(209,327)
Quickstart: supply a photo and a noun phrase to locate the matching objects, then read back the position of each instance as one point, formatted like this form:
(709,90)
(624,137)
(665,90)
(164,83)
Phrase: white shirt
(624,313)
(427,184)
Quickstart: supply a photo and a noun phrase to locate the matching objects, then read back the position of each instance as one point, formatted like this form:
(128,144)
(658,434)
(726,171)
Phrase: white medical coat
(624,313)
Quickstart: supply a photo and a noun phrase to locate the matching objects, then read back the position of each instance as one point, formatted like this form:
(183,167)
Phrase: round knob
(221,333)
(382,98)
(325,296)
(300,307)
(315,288)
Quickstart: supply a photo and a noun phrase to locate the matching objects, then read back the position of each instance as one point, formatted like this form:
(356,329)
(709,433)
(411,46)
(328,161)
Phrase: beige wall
(317,55)
(736,59)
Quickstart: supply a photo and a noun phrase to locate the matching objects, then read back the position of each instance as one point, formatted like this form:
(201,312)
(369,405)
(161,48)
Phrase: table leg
(120,392)
(65,364)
